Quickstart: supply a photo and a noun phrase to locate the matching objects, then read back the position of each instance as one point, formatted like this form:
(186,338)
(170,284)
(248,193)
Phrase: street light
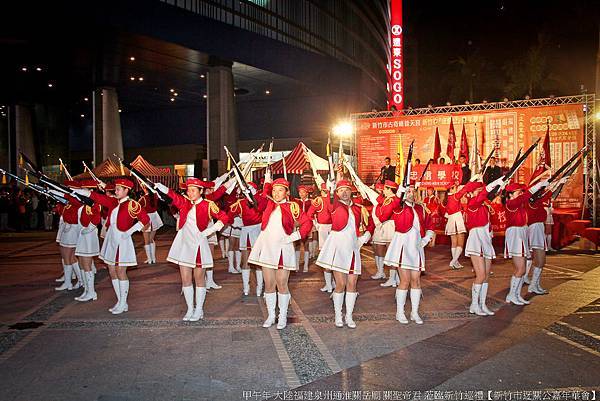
(343,129)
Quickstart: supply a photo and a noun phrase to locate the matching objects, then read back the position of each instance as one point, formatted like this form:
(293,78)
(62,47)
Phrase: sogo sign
(396,84)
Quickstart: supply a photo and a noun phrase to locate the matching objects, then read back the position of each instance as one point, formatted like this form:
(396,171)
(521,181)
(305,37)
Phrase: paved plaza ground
(55,348)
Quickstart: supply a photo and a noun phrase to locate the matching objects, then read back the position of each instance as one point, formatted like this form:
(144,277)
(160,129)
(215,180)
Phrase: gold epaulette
(214,209)
(88,210)
(364,212)
(235,205)
(295,209)
(133,208)
(387,201)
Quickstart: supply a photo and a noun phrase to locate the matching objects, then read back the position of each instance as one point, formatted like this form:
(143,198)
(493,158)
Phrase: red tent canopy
(297,161)
(144,167)
(106,169)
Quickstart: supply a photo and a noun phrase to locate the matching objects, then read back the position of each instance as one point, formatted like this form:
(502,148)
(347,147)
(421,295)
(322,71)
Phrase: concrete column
(112,137)
(24,141)
(221,118)
(97,148)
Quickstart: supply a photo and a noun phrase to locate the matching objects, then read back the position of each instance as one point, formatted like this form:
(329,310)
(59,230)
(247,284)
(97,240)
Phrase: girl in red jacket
(274,248)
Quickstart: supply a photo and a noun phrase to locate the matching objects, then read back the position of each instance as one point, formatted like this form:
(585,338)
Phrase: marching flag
(437,146)
(475,157)
(451,141)
(464,144)
(399,162)
(544,161)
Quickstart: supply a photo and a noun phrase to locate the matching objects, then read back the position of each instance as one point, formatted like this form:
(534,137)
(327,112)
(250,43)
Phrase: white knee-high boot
(535,282)
(350,301)
(188,294)
(328,286)
(297,260)
(199,309)
(85,287)
(380,272)
(148,249)
(271,301)
(338,301)
(66,285)
(527,269)
(259,282)
(222,247)
(518,294)
(283,301)
(482,298)
(124,291)
(90,294)
(415,299)
(210,281)
(238,261)
(246,281)
(512,292)
(391,281)
(400,302)
(475,295)
(230,261)
(153,251)
(306,260)
(117,289)
(77,271)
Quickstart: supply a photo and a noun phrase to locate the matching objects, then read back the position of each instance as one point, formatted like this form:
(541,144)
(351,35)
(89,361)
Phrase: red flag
(544,162)
(451,141)
(464,144)
(437,146)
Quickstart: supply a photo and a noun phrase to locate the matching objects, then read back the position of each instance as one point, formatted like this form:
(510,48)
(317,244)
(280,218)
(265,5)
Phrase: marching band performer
(538,243)
(413,231)
(479,242)
(516,243)
(109,189)
(190,249)
(59,209)
(455,225)
(125,217)
(304,202)
(149,202)
(341,251)
(251,216)
(274,247)
(320,210)
(382,236)
(68,236)
(88,245)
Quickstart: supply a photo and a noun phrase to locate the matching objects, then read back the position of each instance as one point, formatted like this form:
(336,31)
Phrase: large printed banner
(506,131)
(438,176)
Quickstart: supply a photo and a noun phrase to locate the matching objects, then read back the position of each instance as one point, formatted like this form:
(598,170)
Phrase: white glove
(330,185)
(363,239)
(562,180)
(401,190)
(220,180)
(211,230)
(427,238)
(230,185)
(82,191)
(268,177)
(538,185)
(252,189)
(136,227)
(161,187)
(295,236)
(417,184)
(498,182)
(475,177)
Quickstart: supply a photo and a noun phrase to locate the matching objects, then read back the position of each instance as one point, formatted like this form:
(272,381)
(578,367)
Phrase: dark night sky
(493,32)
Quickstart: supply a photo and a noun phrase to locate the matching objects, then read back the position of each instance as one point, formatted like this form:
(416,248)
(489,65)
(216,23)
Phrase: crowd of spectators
(23,209)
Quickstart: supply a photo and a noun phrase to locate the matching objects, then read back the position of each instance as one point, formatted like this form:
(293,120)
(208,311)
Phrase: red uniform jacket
(216,195)
(128,214)
(321,206)
(516,215)
(290,214)
(340,212)
(404,215)
(249,215)
(304,204)
(536,211)
(205,211)
(70,210)
(453,201)
(478,213)
(149,202)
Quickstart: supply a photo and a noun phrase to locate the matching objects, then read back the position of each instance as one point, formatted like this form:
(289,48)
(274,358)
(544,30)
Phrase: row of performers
(399,227)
